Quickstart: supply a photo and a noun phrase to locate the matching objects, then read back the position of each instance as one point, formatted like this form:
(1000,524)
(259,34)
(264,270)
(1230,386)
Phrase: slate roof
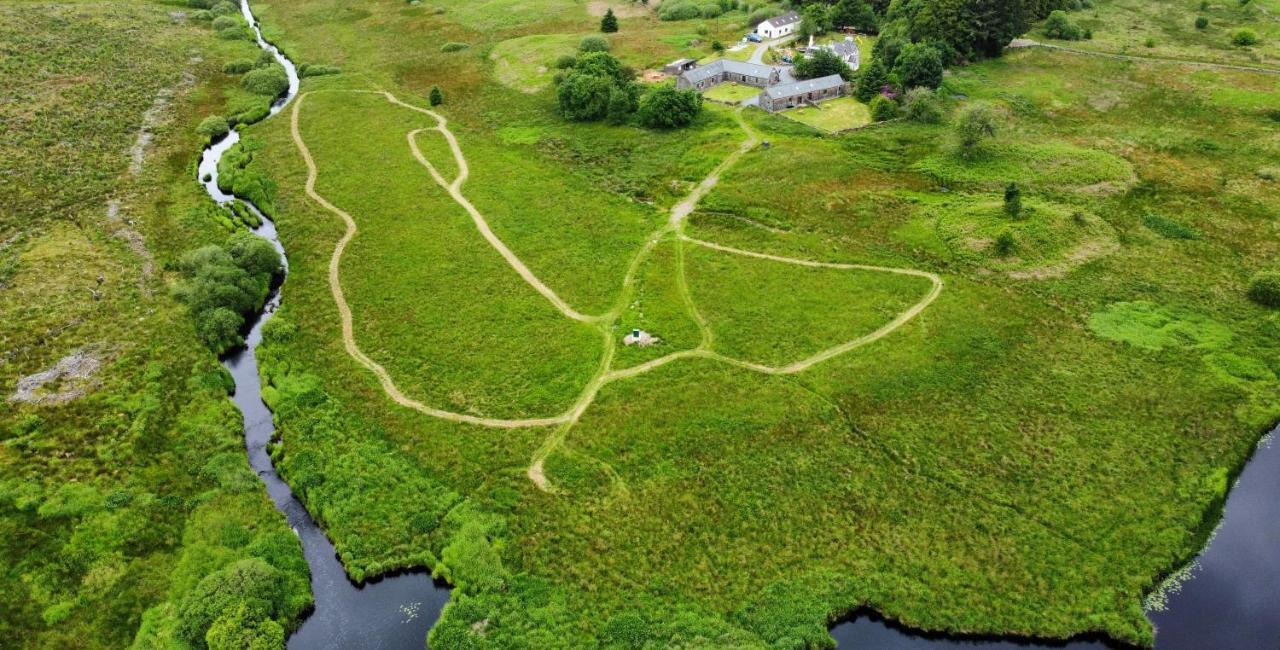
(726,65)
(784,19)
(808,85)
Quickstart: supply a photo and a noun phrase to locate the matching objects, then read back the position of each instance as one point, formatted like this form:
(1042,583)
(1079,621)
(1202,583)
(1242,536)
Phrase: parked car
(754,37)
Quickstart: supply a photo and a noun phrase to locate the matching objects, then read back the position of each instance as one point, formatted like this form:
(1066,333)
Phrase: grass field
(960,474)
(731,93)
(124,489)
(831,116)
(1029,454)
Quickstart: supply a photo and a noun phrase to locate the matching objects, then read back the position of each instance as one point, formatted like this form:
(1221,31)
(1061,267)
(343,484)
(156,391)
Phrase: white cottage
(779,26)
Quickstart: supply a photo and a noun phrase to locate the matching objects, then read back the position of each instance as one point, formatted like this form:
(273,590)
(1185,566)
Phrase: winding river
(1226,600)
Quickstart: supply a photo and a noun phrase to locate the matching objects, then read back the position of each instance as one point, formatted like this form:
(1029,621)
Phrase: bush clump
(665,107)
(454,46)
(1168,228)
(1202,22)
(883,109)
(593,44)
(224,8)
(237,67)
(1244,38)
(1061,27)
(214,126)
(317,70)
(223,284)
(922,105)
(1264,289)
(271,81)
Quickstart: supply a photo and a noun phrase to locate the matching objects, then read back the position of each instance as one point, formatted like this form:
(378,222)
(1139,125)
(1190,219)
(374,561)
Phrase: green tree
(602,64)
(822,63)
(871,80)
(856,14)
(584,97)
(919,65)
(883,108)
(251,584)
(1005,243)
(609,24)
(437,96)
(622,103)
(974,125)
(1013,201)
(665,107)
(1244,38)
(1059,26)
(921,105)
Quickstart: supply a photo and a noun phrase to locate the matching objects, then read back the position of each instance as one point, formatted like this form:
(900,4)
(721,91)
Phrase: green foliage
(584,97)
(622,103)
(1168,228)
(609,23)
(856,14)
(436,97)
(883,108)
(214,126)
(922,105)
(1005,244)
(1202,22)
(1244,38)
(223,22)
(232,603)
(664,107)
(1149,326)
(919,65)
(454,46)
(871,79)
(224,284)
(973,126)
(317,70)
(270,81)
(1061,27)
(593,44)
(1264,289)
(1013,201)
(237,67)
(821,64)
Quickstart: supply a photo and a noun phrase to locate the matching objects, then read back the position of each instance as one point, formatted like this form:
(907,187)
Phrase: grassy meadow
(125,493)
(1030,455)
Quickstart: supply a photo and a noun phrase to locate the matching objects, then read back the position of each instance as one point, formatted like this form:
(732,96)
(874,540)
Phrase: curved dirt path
(605,374)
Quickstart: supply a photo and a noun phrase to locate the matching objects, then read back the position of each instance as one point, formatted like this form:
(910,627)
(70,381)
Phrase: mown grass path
(605,323)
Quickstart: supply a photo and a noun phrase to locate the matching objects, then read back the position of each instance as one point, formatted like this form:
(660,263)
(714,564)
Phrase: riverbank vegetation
(126,501)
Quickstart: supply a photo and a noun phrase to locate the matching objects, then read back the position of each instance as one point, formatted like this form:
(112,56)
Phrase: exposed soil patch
(66,380)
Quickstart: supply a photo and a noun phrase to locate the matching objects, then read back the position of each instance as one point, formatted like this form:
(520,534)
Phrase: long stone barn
(799,93)
(722,70)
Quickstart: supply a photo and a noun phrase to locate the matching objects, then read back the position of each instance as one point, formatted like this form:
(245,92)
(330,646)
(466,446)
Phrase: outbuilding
(809,91)
(722,70)
(779,26)
(680,65)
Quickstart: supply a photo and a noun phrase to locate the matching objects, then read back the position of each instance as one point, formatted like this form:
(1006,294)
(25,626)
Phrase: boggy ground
(1028,454)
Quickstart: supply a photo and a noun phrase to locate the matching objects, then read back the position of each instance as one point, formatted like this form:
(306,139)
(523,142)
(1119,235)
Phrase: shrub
(584,97)
(1005,244)
(225,22)
(214,126)
(200,4)
(1060,26)
(454,46)
(271,81)
(317,70)
(565,61)
(665,107)
(237,67)
(821,64)
(1012,201)
(1264,289)
(919,64)
(1150,42)
(1202,22)
(870,80)
(883,108)
(1244,38)
(222,284)
(921,105)
(437,96)
(1167,228)
(224,8)
(682,11)
(593,44)
(609,24)
(249,591)
(622,103)
(973,126)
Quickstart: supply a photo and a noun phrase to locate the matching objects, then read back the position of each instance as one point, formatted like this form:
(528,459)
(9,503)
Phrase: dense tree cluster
(223,284)
(596,86)
(823,63)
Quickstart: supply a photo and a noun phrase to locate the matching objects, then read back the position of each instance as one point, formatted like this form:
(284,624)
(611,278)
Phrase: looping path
(605,323)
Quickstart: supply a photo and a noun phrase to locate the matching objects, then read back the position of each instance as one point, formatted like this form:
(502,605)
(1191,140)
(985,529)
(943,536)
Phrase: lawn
(527,63)
(960,474)
(835,115)
(731,93)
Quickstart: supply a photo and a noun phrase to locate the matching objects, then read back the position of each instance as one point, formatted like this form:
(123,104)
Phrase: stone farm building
(779,26)
(722,70)
(784,96)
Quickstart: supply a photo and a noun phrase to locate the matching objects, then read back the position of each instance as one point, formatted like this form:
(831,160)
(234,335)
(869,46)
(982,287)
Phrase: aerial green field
(876,384)
(125,496)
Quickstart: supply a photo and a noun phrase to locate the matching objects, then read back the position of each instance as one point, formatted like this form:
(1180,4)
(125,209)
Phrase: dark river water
(1229,599)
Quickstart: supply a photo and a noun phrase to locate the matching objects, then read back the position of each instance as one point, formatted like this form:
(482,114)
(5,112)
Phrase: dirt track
(605,374)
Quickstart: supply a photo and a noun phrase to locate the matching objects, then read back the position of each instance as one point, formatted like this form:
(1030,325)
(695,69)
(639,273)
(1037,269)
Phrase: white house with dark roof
(810,91)
(722,70)
(847,50)
(779,26)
